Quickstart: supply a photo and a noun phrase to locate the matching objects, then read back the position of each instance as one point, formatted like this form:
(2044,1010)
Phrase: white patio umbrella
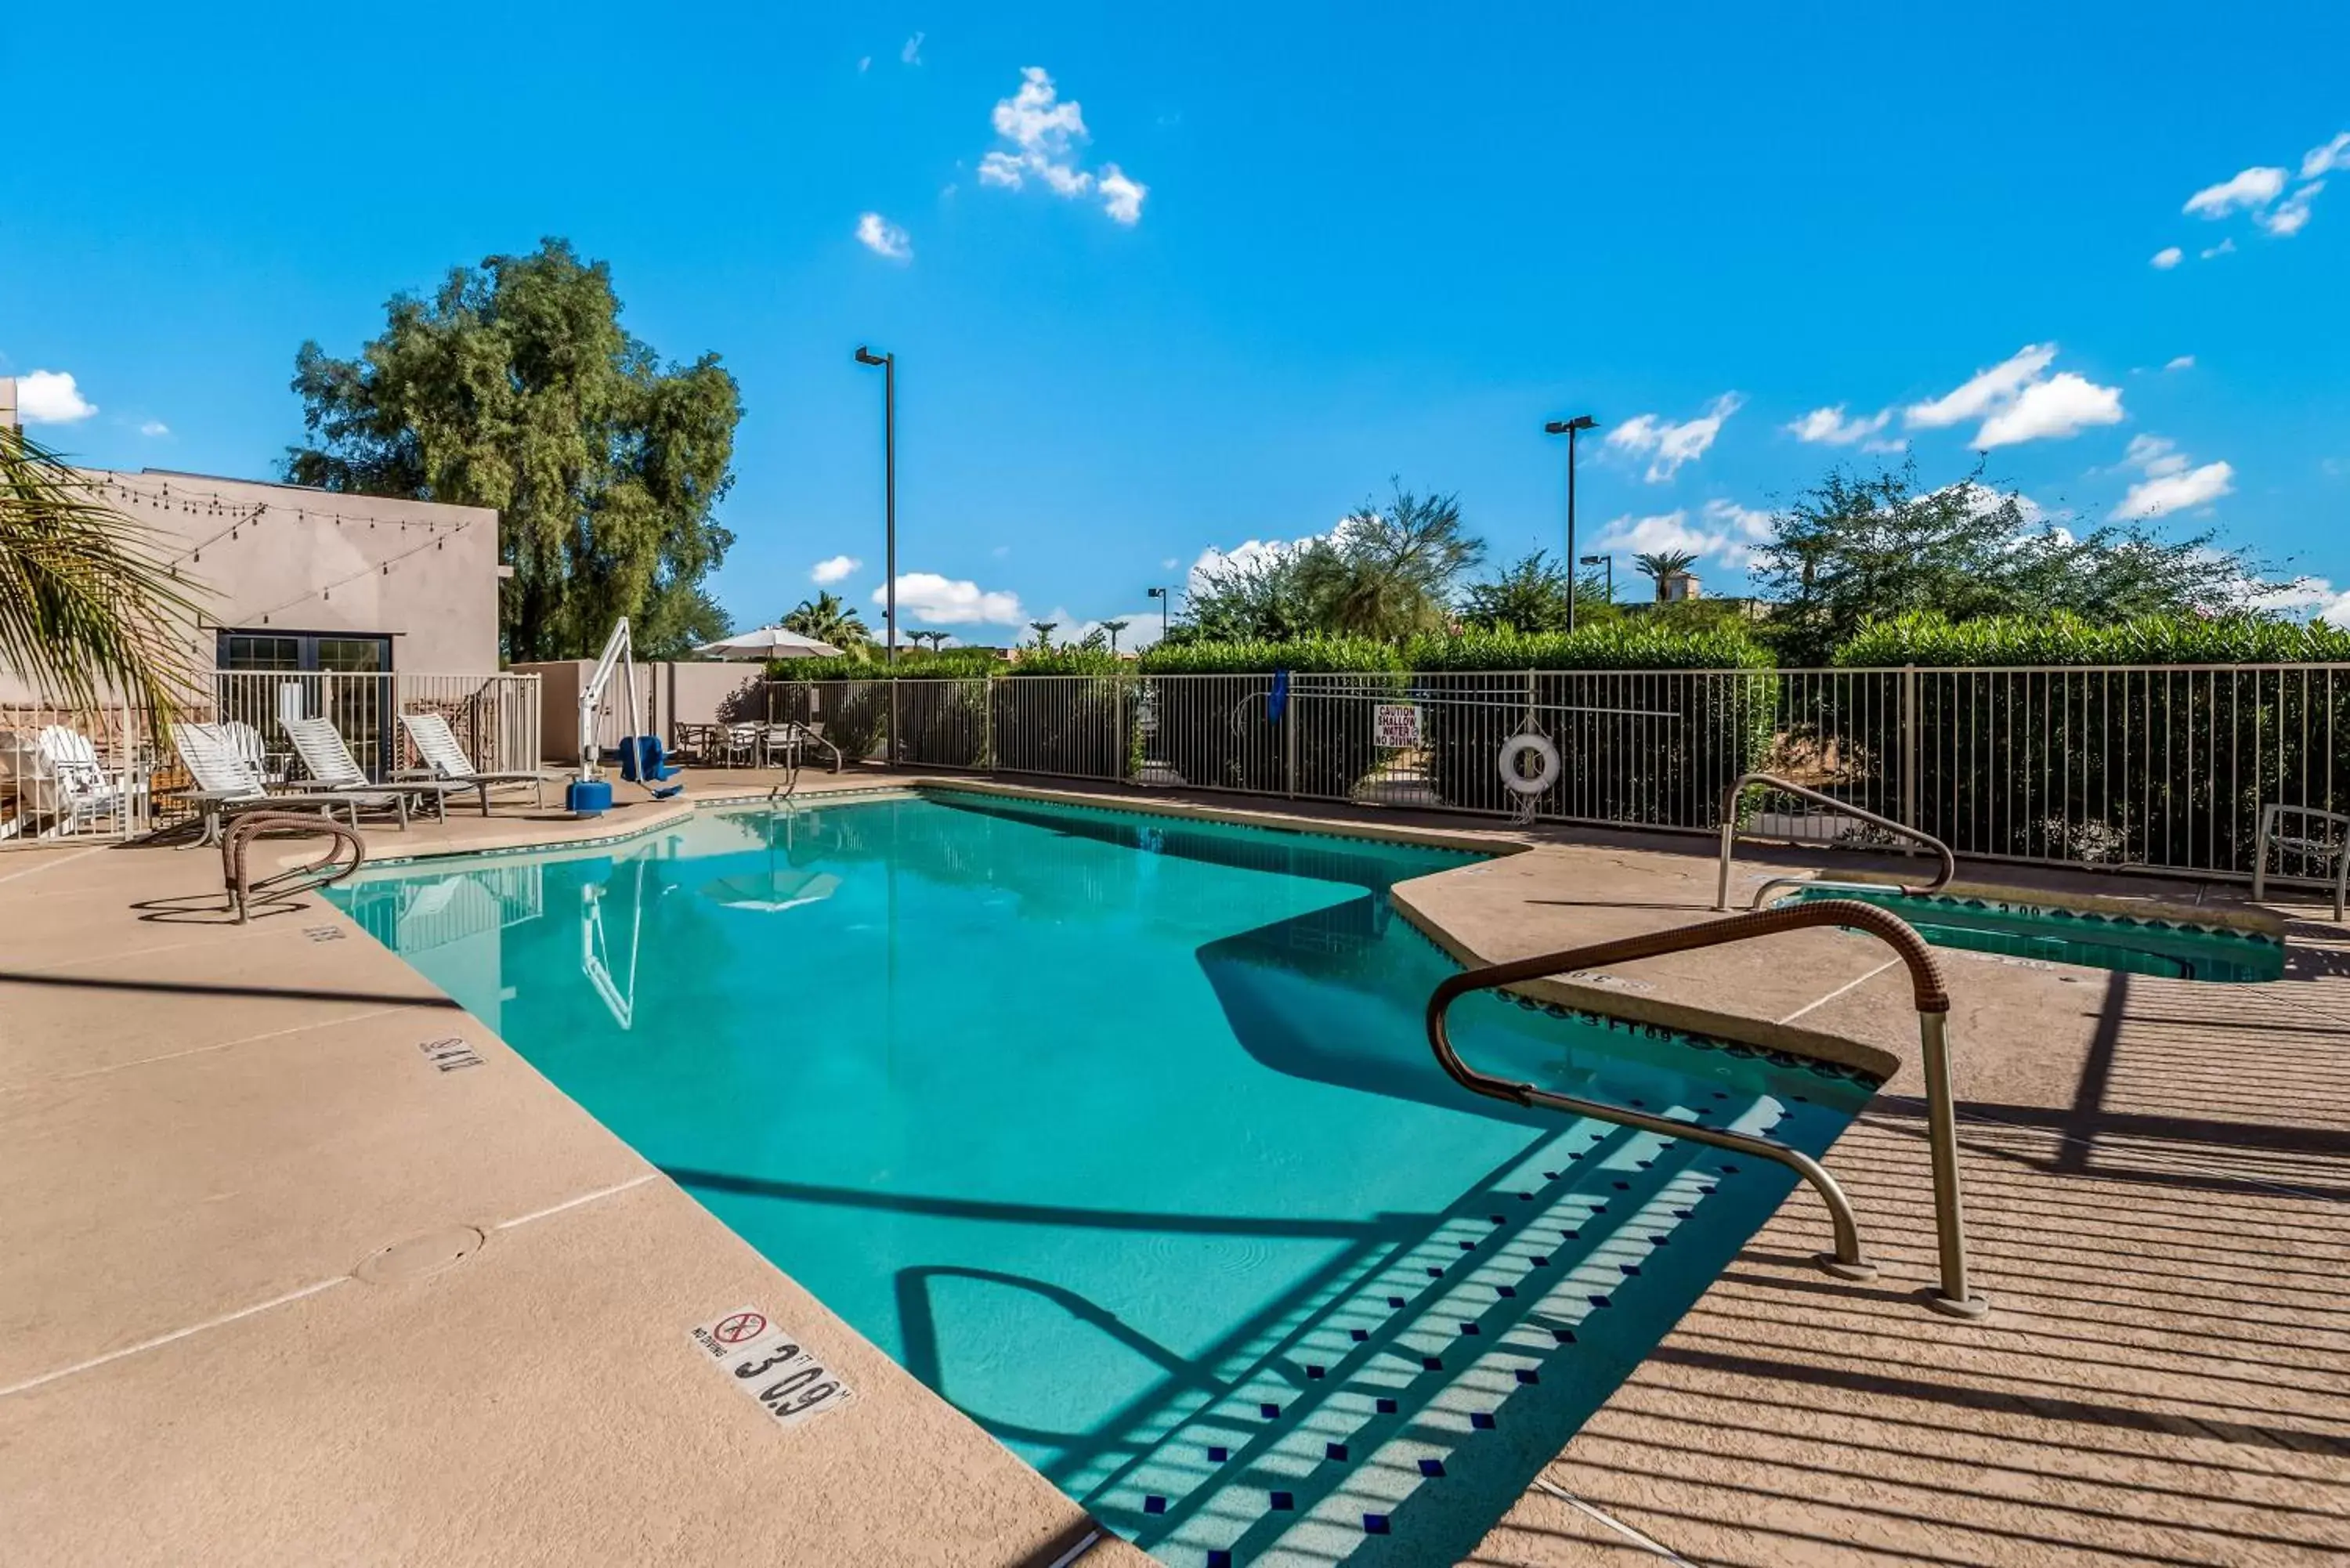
(767,642)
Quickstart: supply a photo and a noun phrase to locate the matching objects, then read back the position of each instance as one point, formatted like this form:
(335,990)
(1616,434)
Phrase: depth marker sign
(769,1364)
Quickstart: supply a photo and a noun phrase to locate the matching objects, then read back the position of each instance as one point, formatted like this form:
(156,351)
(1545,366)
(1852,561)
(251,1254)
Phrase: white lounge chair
(228,782)
(437,744)
(78,788)
(333,769)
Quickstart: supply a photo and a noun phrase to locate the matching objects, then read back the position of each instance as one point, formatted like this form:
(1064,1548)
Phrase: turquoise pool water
(2179,949)
(1123,1134)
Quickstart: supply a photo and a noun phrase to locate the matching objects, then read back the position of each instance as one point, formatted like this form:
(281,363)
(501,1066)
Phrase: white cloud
(2064,405)
(1044,132)
(2253,188)
(1001,551)
(1984,390)
(1722,530)
(2224,247)
(2171,483)
(1246,556)
(1830,427)
(50,398)
(2316,598)
(2156,455)
(2018,400)
(884,238)
(1668,445)
(950,601)
(912,53)
(1167,565)
(2165,258)
(2288,217)
(832,568)
(864,63)
(154,427)
(1122,197)
(1140,632)
(2335,154)
(2180,362)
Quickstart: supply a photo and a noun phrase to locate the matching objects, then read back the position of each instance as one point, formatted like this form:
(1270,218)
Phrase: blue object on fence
(1276,702)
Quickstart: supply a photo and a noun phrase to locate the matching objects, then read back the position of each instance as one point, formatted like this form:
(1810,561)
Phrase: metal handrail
(1954,1298)
(1730,842)
(331,868)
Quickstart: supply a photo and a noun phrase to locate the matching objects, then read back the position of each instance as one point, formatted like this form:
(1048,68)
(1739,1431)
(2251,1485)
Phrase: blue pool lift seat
(642,762)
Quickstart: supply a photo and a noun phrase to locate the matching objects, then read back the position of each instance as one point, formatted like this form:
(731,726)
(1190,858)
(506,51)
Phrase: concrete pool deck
(207,1132)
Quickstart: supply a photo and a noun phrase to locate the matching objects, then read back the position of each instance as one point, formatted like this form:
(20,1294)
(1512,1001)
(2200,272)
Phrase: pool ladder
(1772,780)
(1954,1297)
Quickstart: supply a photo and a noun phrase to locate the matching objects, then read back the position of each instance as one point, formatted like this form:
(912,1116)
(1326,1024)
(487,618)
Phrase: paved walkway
(280,1290)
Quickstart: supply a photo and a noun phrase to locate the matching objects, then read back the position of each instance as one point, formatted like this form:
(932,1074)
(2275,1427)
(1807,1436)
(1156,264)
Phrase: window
(304,650)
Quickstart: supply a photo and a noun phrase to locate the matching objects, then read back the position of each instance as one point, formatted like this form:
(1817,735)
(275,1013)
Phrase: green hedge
(1631,749)
(1308,656)
(1930,640)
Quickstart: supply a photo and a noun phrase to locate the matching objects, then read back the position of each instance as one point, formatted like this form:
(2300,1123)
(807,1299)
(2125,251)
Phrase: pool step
(1396,1386)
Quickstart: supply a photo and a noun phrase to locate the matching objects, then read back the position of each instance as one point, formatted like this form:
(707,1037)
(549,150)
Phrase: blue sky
(1223,270)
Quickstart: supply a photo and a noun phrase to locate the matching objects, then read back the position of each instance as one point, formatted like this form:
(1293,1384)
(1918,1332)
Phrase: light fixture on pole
(1570,429)
(1607,561)
(888,363)
(1163,597)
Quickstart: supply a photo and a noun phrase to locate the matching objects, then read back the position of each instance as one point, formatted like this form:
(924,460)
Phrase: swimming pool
(1122,1133)
(2179,950)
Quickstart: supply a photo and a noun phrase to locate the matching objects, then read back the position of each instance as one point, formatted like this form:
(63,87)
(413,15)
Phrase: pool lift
(642,761)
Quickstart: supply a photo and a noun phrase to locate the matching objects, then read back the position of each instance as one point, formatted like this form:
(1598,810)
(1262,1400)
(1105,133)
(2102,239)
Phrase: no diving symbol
(743,1325)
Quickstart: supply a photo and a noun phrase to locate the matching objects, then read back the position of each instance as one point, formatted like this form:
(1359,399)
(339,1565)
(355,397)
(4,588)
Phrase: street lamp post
(1161,596)
(1607,561)
(888,363)
(1570,429)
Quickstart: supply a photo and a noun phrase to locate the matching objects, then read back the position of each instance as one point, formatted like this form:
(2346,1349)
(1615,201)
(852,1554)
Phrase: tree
(829,619)
(1385,571)
(1661,567)
(88,606)
(515,386)
(677,624)
(1391,572)
(1044,631)
(1857,547)
(933,640)
(1114,627)
(1531,595)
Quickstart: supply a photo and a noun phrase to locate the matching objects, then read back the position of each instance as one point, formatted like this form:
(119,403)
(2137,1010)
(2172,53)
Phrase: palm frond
(89,609)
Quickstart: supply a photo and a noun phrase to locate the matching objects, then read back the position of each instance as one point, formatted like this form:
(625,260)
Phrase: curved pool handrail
(236,846)
(1954,1297)
(1772,780)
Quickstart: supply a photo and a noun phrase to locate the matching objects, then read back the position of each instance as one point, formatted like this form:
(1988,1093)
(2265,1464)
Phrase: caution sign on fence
(1396,725)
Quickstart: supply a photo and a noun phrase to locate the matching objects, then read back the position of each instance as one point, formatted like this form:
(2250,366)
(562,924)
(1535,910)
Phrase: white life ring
(1545,772)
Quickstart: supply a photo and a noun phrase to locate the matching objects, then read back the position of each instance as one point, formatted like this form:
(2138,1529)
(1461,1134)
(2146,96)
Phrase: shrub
(1930,640)
(1635,745)
(1212,711)
(2023,746)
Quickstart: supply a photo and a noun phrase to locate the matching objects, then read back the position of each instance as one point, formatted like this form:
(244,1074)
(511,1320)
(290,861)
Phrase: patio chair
(743,744)
(793,741)
(247,743)
(78,788)
(437,744)
(328,758)
(228,783)
(2325,837)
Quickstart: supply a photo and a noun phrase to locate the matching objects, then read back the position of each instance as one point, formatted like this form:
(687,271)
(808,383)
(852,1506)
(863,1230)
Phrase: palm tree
(1662,566)
(1114,627)
(829,619)
(1044,631)
(88,606)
